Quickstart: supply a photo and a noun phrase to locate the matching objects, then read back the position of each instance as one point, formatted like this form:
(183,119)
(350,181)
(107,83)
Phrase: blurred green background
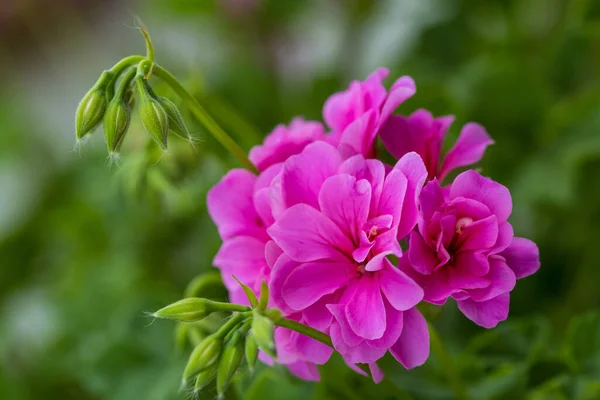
(85,249)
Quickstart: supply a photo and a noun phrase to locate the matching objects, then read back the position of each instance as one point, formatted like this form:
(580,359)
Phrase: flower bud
(176,124)
(181,336)
(153,115)
(203,379)
(230,361)
(251,350)
(116,121)
(91,108)
(262,330)
(188,310)
(204,356)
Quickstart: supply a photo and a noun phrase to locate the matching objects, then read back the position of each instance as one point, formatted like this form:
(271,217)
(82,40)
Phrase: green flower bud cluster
(111,101)
(217,356)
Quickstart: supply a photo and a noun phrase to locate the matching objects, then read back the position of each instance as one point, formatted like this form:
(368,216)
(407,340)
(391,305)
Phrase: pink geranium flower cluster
(324,220)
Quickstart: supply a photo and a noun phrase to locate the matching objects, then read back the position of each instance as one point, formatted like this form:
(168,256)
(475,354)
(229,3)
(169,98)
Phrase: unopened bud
(262,330)
(230,361)
(91,108)
(153,115)
(188,310)
(204,356)
(116,122)
(176,123)
(203,379)
(251,350)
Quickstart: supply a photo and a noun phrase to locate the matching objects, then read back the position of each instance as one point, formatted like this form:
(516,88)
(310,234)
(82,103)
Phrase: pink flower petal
(344,336)
(282,268)
(371,170)
(304,173)
(431,199)
(366,311)
(312,350)
(272,253)
(481,234)
(305,370)
(346,202)
(242,256)
(361,353)
(486,313)
(305,234)
(522,256)
(313,280)
(469,148)
(403,89)
(230,205)
(376,372)
(359,136)
(502,280)
(422,257)
(401,291)
(318,315)
(412,348)
(393,195)
(471,185)
(394,323)
(413,168)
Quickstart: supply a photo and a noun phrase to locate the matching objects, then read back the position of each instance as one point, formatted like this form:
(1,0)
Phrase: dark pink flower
(285,141)
(464,248)
(424,134)
(336,221)
(356,115)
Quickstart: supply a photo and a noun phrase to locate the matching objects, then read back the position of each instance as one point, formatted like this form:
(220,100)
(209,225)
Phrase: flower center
(460,224)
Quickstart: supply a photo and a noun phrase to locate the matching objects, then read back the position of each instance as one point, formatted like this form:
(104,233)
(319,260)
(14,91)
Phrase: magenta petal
(318,315)
(371,170)
(272,253)
(376,372)
(304,173)
(422,258)
(394,323)
(522,256)
(401,291)
(471,185)
(305,234)
(505,238)
(431,199)
(346,202)
(361,353)
(469,148)
(312,350)
(313,280)
(366,311)
(413,168)
(305,370)
(502,280)
(230,204)
(412,348)
(283,267)
(401,90)
(393,195)
(400,137)
(481,234)
(242,256)
(343,331)
(360,134)
(486,313)
(473,263)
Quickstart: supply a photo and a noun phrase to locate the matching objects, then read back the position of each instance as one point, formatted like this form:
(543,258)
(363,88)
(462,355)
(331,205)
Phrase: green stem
(205,118)
(229,325)
(437,347)
(124,63)
(230,307)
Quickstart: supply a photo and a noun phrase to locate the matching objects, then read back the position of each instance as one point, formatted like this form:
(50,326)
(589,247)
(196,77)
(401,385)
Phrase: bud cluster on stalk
(111,101)
(219,355)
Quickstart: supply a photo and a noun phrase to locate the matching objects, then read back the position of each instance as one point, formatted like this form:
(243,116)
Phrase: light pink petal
(401,90)
(502,279)
(366,311)
(305,370)
(412,348)
(346,202)
(469,148)
(378,262)
(376,372)
(486,313)
(242,256)
(523,257)
(313,280)
(401,291)
(422,257)
(304,173)
(471,185)
(230,205)
(413,168)
(305,234)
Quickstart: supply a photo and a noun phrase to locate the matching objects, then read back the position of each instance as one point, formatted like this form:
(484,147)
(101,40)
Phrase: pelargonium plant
(325,247)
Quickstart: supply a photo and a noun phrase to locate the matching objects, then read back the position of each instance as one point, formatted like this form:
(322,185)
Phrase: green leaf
(582,343)
(249,292)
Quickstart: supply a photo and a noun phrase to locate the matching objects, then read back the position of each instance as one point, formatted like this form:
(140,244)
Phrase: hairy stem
(200,113)
(437,347)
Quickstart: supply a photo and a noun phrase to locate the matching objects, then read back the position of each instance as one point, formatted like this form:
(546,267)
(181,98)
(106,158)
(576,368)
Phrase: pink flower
(356,115)
(424,134)
(464,248)
(239,206)
(285,141)
(336,221)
